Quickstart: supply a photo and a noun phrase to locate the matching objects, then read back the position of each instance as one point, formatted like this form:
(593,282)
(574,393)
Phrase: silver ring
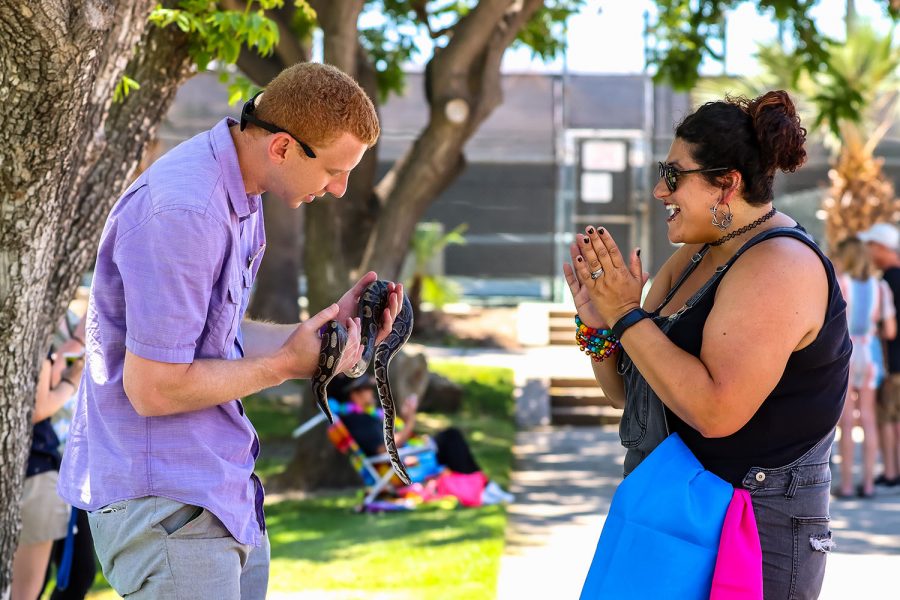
(596,274)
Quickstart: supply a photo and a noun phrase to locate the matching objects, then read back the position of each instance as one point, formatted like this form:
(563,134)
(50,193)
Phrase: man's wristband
(628,319)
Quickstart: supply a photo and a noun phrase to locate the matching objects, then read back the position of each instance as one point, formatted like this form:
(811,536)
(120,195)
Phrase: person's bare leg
(870,443)
(894,436)
(888,442)
(846,445)
(29,567)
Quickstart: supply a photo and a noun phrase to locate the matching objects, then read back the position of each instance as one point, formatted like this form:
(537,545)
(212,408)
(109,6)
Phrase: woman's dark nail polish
(579,259)
(602,231)
(638,252)
(586,241)
(590,230)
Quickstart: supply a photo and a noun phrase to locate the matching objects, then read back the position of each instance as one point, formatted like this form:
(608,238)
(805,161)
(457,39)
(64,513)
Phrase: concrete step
(562,338)
(585,415)
(579,401)
(562,314)
(562,323)
(568,399)
(574,382)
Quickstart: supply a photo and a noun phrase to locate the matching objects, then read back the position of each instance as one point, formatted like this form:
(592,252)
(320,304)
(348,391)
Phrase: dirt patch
(479,327)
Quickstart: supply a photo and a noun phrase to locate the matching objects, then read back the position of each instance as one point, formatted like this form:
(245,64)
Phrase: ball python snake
(334,339)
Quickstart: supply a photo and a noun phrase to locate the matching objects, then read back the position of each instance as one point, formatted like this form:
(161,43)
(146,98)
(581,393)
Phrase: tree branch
(467,69)
(338,20)
(471,34)
(420,7)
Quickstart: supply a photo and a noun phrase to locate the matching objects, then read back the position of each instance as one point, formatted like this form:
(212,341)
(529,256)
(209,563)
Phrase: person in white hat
(883,243)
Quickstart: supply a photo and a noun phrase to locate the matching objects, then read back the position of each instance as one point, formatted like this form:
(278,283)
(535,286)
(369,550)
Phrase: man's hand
(394,304)
(298,358)
(349,303)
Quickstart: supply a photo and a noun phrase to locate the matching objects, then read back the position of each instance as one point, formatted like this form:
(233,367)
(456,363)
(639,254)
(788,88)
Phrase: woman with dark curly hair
(741,346)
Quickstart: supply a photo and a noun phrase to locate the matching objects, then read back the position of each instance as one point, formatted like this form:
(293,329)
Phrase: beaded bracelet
(599,344)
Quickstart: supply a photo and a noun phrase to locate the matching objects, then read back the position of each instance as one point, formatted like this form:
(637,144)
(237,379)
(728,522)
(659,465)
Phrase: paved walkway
(564,479)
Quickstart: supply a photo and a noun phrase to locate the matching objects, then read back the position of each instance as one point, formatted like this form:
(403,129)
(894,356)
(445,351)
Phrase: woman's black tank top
(805,404)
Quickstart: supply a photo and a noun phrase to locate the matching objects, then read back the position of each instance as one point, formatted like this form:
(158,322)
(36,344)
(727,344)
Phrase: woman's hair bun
(781,138)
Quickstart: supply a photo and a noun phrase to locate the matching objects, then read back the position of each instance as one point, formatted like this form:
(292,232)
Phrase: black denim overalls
(790,502)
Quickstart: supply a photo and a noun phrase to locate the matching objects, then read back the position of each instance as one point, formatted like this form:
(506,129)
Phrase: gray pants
(157,548)
(790,504)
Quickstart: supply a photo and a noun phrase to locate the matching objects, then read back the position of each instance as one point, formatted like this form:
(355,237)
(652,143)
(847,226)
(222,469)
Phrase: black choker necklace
(745,228)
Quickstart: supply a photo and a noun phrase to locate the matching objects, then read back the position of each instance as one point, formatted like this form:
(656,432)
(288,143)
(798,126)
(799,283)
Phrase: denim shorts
(790,504)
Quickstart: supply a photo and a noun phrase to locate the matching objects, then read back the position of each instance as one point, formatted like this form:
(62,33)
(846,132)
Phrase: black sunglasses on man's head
(670,174)
(247,116)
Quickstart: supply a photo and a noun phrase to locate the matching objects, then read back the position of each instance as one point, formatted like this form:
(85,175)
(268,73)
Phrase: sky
(607,37)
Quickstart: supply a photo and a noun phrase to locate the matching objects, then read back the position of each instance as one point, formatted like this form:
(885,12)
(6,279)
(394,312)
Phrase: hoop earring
(727,217)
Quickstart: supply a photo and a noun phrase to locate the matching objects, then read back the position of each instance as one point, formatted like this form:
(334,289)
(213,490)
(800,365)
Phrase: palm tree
(866,69)
(424,283)
(854,103)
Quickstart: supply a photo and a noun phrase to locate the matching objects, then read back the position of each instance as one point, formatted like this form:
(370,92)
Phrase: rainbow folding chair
(375,471)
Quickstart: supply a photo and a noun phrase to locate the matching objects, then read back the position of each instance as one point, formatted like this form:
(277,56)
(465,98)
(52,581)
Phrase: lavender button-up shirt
(178,256)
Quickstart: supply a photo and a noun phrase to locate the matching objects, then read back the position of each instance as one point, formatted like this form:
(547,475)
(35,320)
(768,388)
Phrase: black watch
(628,319)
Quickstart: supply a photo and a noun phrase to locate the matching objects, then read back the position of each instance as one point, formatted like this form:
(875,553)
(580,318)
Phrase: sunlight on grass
(387,553)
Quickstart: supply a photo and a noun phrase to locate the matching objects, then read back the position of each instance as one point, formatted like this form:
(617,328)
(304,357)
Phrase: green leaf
(219,35)
(545,32)
(234,96)
(124,87)
(439,291)
(685,33)
(239,87)
(183,22)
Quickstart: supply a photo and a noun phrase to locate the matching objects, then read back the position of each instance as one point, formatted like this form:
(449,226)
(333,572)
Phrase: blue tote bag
(661,536)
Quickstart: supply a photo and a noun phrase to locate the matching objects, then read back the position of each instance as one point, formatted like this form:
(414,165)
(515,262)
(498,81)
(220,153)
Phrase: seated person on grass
(361,414)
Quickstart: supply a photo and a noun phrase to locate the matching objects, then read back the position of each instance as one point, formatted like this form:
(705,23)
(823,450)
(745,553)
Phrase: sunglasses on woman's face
(670,174)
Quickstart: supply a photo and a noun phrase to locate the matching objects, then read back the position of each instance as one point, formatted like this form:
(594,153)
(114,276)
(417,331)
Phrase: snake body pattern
(334,339)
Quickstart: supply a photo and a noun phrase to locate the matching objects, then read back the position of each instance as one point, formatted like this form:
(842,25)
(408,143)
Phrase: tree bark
(277,287)
(70,152)
(467,70)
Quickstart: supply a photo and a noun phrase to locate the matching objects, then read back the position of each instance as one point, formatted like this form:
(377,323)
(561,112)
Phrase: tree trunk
(69,157)
(467,73)
(277,288)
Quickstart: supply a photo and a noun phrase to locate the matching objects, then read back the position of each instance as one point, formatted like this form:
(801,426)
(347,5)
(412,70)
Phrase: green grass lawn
(321,545)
